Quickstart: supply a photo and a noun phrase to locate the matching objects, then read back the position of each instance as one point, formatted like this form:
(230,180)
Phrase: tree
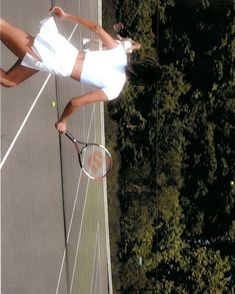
(177,151)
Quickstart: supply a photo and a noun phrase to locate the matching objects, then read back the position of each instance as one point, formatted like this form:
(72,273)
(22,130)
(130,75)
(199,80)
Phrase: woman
(107,70)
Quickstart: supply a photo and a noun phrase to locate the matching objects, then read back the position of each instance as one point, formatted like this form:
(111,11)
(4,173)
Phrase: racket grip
(70,136)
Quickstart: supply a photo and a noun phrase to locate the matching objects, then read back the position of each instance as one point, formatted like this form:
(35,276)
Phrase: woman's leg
(19,43)
(17,74)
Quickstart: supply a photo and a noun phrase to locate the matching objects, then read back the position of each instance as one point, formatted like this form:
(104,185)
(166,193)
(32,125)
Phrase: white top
(105,70)
(127,45)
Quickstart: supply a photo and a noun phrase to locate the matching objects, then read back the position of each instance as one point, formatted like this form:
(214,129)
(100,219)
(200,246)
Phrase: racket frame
(79,152)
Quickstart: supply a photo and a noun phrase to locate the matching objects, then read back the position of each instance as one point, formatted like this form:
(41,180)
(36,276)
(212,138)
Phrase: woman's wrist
(66,17)
(62,120)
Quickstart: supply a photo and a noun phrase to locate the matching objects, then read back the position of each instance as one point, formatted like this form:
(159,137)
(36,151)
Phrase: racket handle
(70,136)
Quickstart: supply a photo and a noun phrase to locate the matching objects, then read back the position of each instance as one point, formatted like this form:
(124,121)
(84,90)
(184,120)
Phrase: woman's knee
(5,82)
(8,84)
(4,25)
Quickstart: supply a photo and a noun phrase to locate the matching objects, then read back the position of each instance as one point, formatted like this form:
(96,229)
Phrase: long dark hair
(146,71)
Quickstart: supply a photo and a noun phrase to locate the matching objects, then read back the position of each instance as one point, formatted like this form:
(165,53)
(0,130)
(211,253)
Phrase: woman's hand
(61,127)
(59,12)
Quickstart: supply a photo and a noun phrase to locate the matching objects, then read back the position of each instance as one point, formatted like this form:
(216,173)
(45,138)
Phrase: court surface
(54,221)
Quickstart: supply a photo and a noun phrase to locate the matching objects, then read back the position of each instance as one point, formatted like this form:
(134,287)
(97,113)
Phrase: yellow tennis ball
(53,104)
(232,183)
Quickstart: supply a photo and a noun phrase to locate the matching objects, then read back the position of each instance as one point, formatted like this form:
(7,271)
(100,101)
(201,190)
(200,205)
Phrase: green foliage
(208,271)
(137,15)
(177,150)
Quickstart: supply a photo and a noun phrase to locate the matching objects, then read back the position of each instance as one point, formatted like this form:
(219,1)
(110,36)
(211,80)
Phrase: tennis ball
(232,183)
(53,104)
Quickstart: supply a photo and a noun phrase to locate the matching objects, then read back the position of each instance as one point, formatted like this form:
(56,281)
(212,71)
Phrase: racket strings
(96,161)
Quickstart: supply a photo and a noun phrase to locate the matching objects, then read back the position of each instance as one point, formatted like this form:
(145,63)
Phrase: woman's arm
(75,103)
(107,40)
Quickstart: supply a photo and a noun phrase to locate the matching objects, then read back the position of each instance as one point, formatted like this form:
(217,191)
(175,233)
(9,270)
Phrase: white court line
(29,112)
(71,220)
(83,212)
(98,274)
(106,217)
(105,198)
(96,241)
(23,123)
(74,205)
(99,262)
(80,231)
(110,284)
(71,35)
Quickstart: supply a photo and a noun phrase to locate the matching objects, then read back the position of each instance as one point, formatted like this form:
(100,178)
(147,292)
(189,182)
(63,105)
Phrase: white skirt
(56,54)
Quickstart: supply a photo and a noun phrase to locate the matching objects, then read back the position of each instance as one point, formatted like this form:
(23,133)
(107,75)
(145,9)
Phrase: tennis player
(107,70)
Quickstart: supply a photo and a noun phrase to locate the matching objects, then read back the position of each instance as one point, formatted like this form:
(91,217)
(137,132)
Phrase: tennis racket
(94,159)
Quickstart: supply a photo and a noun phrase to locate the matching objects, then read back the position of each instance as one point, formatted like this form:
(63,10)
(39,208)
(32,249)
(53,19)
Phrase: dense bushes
(177,146)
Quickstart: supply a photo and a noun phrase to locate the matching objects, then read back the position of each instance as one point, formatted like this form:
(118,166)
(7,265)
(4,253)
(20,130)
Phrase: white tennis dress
(102,69)
(57,55)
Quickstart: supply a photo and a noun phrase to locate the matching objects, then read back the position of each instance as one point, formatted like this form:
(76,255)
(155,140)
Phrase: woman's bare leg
(19,43)
(17,74)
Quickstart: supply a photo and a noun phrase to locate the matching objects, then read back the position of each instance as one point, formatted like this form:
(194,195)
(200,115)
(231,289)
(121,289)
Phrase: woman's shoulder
(118,51)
